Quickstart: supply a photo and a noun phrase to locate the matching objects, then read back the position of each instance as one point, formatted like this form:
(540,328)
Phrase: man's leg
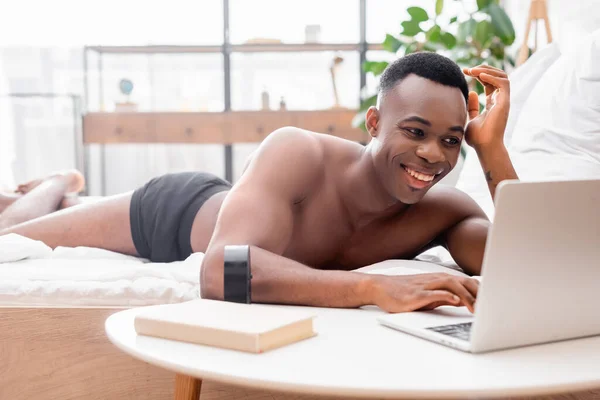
(38,197)
(75,200)
(102,224)
(41,200)
(6,199)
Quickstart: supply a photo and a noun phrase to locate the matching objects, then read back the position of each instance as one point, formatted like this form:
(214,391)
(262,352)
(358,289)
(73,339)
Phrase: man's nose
(431,152)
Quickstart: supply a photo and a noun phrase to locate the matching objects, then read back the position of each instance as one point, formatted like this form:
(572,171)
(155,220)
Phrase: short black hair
(428,65)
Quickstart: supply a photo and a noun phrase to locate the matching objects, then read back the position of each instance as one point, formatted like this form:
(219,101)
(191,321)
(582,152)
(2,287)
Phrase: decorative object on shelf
(312,33)
(538,10)
(126,88)
(282,105)
(265,99)
(335,63)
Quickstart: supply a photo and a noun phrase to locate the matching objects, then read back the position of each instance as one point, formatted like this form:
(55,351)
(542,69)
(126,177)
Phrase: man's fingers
(473,105)
(500,83)
(435,305)
(472,286)
(429,298)
(487,69)
(454,286)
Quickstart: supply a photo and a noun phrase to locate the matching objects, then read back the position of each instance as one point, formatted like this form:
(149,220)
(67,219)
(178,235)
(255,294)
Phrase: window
(286,21)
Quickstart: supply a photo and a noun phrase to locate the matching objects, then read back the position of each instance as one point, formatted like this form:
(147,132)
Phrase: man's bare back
(313,207)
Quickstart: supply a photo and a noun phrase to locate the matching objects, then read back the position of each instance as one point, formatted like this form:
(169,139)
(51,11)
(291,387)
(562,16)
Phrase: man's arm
(466,236)
(259,211)
(496,164)
(466,239)
(485,132)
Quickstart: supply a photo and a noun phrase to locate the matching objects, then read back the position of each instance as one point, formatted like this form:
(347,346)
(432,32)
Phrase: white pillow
(524,79)
(562,114)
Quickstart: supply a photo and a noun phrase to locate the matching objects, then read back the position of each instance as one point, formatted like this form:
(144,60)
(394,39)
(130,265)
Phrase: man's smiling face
(419,127)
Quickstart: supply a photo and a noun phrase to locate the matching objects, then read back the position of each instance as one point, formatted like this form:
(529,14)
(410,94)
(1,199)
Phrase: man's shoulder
(308,148)
(289,160)
(293,141)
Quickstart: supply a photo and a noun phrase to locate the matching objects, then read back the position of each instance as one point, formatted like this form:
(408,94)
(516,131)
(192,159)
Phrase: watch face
(126,86)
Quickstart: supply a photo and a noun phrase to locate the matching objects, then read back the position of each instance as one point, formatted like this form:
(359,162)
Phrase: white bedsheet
(32,274)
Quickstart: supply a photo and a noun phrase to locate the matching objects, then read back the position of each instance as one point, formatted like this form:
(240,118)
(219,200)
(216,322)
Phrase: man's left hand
(487,128)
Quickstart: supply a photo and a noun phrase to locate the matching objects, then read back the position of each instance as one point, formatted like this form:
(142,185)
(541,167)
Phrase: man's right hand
(405,293)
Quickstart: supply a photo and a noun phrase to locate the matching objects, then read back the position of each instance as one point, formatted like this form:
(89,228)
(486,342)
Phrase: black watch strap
(237,274)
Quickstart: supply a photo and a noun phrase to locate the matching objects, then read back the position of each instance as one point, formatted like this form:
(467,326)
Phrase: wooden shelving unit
(212,128)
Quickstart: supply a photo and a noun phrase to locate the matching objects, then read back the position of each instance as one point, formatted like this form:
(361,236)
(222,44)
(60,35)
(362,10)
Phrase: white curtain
(7,153)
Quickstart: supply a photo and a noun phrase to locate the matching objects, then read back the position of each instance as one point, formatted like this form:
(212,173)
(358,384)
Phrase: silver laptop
(540,278)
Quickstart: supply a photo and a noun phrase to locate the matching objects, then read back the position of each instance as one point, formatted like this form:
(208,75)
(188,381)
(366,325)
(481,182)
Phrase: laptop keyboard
(459,331)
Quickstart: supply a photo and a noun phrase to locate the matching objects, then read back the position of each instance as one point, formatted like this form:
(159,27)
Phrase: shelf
(235,48)
(216,128)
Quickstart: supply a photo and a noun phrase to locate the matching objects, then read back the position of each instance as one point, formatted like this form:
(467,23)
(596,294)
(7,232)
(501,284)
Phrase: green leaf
(481,4)
(391,43)
(497,49)
(503,27)
(433,47)
(411,48)
(417,14)
(510,60)
(484,32)
(463,151)
(479,87)
(368,102)
(359,119)
(411,28)
(466,29)
(439,7)
(375,67)
(433,34)
(453,20)
(448,39)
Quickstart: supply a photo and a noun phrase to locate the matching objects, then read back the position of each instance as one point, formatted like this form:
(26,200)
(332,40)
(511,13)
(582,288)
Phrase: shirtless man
(314,207)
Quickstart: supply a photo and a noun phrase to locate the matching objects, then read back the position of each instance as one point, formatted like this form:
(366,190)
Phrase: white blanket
(31,274)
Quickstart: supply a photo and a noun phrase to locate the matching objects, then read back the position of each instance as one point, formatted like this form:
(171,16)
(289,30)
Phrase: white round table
(354,356)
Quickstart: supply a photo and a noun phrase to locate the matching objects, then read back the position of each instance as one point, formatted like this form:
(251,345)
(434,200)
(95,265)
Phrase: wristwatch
(237,274)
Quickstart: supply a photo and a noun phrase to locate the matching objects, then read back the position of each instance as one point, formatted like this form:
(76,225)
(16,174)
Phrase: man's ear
(372,121)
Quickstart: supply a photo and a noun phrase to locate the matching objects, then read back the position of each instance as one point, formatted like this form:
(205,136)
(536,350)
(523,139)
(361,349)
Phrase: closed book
(253,328)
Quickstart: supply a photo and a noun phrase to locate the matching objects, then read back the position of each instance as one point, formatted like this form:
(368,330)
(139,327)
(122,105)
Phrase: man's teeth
(420,176)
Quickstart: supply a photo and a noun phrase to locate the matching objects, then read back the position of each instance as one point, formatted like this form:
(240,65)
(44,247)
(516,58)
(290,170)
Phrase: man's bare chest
(324,239)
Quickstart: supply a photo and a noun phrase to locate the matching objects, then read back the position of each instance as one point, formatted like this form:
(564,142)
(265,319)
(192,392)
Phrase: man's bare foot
(76,182)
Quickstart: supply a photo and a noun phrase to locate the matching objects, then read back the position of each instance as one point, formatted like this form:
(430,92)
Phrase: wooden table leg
(187,388)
